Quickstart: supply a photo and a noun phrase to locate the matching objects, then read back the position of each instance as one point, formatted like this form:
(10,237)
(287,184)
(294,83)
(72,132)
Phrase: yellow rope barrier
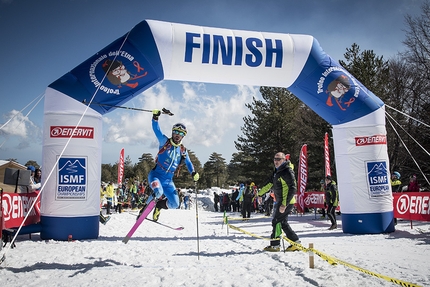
(331,260)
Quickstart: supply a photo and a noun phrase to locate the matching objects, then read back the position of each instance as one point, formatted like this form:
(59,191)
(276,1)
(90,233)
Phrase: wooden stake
(311,256)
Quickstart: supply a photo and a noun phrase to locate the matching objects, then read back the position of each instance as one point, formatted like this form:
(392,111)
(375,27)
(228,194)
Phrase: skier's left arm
(190,167)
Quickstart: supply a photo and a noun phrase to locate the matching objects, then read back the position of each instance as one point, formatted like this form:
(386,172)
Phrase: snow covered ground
(214,255)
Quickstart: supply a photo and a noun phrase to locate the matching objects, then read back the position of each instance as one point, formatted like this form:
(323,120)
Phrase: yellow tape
(246,219)
(331,260)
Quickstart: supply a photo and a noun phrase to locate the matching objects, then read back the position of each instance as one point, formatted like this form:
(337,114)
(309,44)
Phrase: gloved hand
(195,176)
(156,114)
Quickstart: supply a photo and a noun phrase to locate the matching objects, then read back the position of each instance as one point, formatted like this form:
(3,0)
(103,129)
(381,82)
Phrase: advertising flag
(302,179)
(326,156)
(121,166)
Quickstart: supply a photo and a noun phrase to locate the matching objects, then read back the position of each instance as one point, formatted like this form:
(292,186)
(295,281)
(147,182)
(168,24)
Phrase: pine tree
(215,170)
(272,128)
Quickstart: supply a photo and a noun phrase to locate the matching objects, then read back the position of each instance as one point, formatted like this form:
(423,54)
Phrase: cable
(3,257)
(404,144)
(41,97)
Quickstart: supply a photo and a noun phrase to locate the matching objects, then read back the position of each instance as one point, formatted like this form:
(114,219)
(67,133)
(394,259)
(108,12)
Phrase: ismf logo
(341,90)
(377,178)
(72,178)
(68,131)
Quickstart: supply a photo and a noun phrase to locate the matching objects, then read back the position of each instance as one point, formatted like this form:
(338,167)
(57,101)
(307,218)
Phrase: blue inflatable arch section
(153,51)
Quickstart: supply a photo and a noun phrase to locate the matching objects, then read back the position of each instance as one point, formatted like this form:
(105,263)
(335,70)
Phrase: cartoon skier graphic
(118,75)
(337,89)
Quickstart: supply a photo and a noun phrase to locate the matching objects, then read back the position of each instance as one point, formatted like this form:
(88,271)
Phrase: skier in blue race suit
(170,155)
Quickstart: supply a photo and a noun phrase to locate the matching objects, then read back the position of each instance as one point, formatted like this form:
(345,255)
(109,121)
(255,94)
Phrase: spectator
(102,218)
(181,197)
(268,202)
(332,200)
(187,201)
(322,183)
(134,195)
(110,193)
(234,200)
(239,197)
(247,200)
(37,175)
(225,202)
(396,184)
(216,201)
(33,186)
(413,185)
(284,187)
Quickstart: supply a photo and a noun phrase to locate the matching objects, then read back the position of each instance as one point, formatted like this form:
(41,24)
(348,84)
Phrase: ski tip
(3,258)
(125,240)
(179,228)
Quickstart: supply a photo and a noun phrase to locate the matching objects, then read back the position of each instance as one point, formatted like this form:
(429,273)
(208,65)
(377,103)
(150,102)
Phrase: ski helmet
(396,174)
(181,128)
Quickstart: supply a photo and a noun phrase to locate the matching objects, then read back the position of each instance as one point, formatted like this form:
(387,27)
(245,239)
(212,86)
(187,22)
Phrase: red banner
(412,205)
(326,156)
(302,179)
(121,166)
(1,217)
(17,205)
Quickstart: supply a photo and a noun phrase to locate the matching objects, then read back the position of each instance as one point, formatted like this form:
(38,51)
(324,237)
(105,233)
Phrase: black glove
(156,114)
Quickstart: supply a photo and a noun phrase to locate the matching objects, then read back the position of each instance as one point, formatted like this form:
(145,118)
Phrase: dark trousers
(282,218)
(331,213)
(246,209)
(109,205)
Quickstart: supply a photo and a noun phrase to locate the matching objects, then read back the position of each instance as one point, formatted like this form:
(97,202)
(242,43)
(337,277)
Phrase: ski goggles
(278,158)
(181,128)
(177,132)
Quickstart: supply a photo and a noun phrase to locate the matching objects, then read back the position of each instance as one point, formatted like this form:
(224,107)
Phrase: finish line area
(314,226)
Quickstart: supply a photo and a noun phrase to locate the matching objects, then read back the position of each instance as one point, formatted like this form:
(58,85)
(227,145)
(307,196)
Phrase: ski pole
(163,111)
(197,223)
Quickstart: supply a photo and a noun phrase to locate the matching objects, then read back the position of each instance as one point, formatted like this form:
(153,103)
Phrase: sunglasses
(178,133)
(277,158)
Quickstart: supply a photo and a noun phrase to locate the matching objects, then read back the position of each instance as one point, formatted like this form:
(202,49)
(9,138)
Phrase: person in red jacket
(413,185)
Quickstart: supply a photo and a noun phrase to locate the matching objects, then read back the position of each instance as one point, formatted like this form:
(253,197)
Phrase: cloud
(208,117)
(19,125)
(20,130)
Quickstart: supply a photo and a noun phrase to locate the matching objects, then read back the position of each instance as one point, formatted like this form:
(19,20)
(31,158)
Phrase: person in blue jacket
(170,155)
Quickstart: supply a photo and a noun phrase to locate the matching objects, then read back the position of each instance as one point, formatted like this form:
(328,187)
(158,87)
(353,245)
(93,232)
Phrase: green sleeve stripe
(265,189)
(284,191)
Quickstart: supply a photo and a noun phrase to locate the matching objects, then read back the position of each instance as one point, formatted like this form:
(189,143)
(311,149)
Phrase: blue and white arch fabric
(154,50)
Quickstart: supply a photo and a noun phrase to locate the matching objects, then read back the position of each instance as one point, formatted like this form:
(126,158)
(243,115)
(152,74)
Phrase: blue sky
(42,40)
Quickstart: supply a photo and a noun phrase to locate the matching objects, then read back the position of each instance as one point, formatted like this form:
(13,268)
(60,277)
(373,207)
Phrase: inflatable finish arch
(153,51)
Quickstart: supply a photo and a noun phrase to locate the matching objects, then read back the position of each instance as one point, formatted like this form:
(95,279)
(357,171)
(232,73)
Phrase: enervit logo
(403,204)
(314,199)
(371,140)
(68,131)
